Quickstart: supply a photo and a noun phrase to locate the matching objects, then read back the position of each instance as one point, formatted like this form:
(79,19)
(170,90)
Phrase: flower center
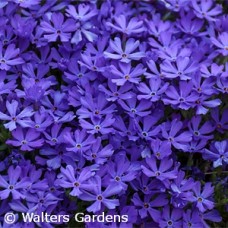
(145,188)
(127,77)
(144,134)
(78,146)
(94,68)
(58,32)
(100,197)
(3,61)
(199,199)
(196,133)
(54,140)
(219,125)
(94,155)
(146,205)
(157,173)
(97,127)
(76,184)
(11,187)
(124,55)
(170,223)
(96,112)
(158,154)
(170,139)
(24,142)
(117,178)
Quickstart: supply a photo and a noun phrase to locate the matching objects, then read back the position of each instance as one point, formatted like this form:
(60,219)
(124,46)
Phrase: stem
(208,173)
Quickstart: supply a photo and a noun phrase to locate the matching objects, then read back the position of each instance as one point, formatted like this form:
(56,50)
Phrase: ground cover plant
(115,107)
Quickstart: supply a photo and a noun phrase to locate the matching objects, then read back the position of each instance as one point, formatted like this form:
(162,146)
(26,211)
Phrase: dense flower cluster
(116,107)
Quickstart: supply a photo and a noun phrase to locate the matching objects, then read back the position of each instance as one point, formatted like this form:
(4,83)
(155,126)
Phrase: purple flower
(41,201)
(202,132)
(212,216)
(124,54)
(121,171)
(14,118)
(183,68)
(157,25)
(41,121)
(77,183)
(55,27)
(203,199)
(148,205)
(202,104)
(191,218)
(222,43)
(181,190)
(28,139)
(53,157)
(171,134)
(95,108)
(206,9)
(211,71)
(82,14)
(126,73)
(221,124)
(134,108)
(96,125)
(182,98)
(148,130)
(171,218)
(27,4)
(98,154)
(80,141)
(189,24)
(218,153)
(101,197)
(125,130)
(9,57)
(164,172)
(154,91)
(79,73)
(114,93)
(131,27)
(56,135)
(161,149)
(13,184)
